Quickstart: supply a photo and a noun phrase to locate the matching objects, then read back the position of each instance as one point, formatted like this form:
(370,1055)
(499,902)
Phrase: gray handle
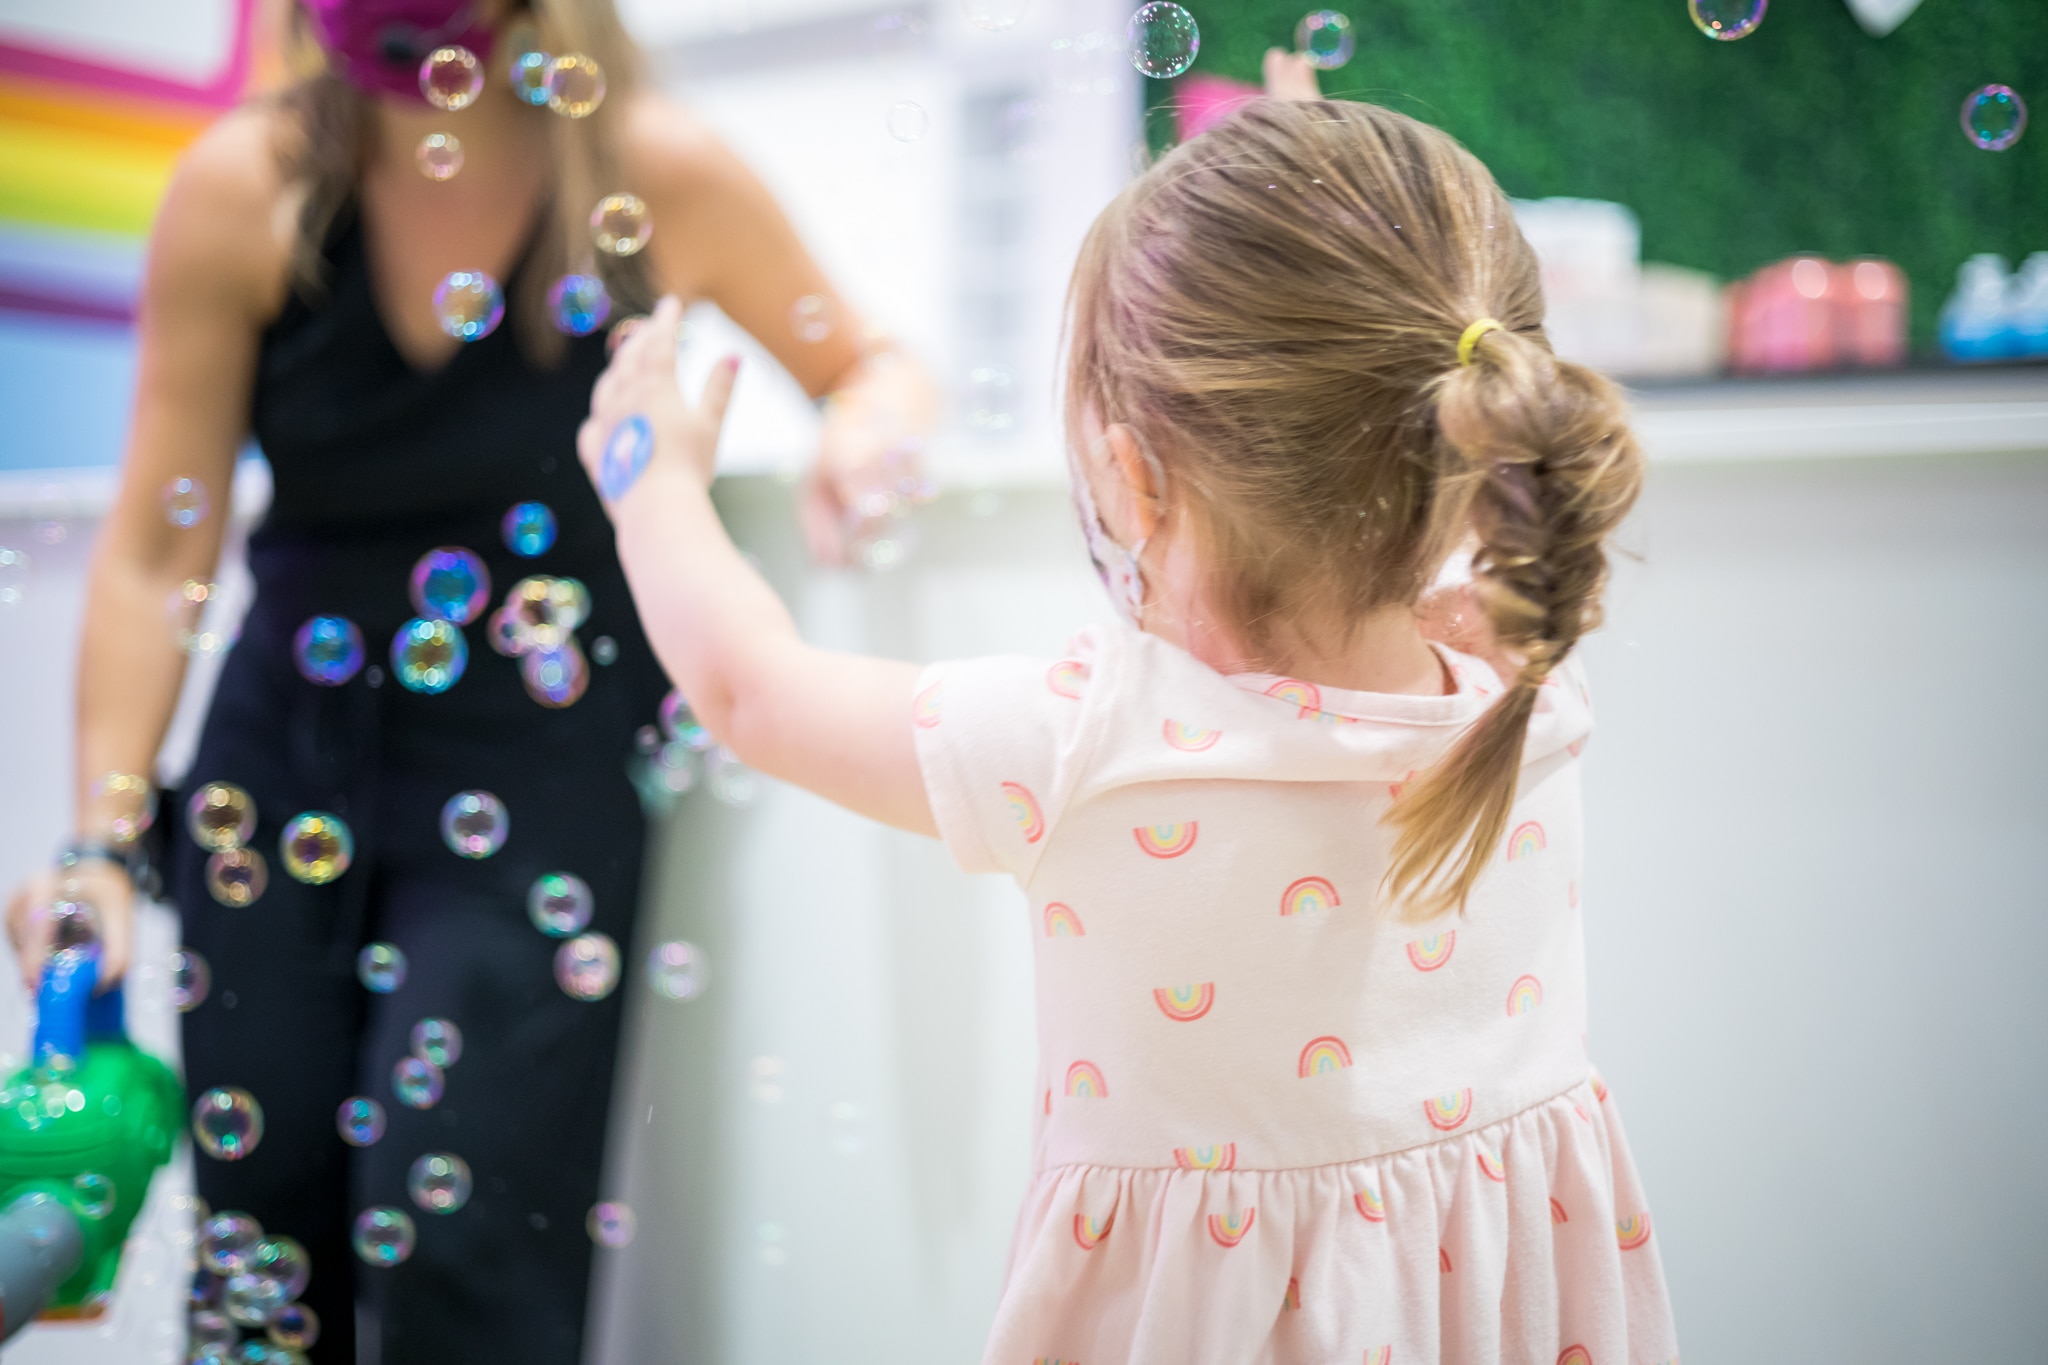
(40,1245)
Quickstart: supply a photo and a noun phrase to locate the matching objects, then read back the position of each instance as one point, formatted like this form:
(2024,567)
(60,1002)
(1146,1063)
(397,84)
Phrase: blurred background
(1816,246)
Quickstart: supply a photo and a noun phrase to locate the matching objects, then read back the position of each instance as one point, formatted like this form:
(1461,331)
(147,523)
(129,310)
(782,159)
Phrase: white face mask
(1117,566)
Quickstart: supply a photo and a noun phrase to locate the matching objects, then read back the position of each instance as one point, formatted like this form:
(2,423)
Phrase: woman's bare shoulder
(227,215)
(674,153)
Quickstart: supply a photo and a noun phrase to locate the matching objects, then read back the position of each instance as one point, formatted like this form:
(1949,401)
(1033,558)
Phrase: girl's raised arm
(835,724)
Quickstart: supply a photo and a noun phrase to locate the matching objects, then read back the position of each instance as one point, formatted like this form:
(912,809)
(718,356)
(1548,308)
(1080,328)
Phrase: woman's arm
(837,724)
(215,272)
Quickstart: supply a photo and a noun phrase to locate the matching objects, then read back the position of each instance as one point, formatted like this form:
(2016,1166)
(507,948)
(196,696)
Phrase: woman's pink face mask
(381,43)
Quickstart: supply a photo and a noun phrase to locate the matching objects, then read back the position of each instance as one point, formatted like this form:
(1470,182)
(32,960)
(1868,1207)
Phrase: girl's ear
(1141,492)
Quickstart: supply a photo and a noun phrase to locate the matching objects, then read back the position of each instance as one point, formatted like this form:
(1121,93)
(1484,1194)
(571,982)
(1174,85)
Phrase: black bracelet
(131,863)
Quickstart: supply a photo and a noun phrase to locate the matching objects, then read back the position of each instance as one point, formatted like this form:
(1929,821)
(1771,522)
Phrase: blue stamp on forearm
(625,457)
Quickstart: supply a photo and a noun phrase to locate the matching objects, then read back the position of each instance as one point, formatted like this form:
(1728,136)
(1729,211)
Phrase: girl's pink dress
(1275,1123)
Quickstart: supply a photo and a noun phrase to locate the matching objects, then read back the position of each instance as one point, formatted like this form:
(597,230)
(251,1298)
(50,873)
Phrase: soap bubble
(93,1194)
(381,967)
(579,304)
(209,1328)
(1994,117)
(550,608)
(74,928)
(283,1260)
(250,1299)
(528,73)
(677,970)
(555,677)
(417,1082)
(438,1041)
(360,1120)
(185,503)
(227,1123)
(731,781)
(316,847)
(1324,37)
(810,318)
(328,650)
(1727,20)
(439,156)
(439,1182)
(14,565)
(227,1241)
(604,651)
(295,1327)
(429,656)
(198,622)
(611,1224)
(1162,39)
(237,876)
(559,904)
(258,1352)
(473,824)
(191,979)
(907,121)
(619,224)
(220,815)
(993,16)
(450,584)
(384,1235)
(451,78)
(575,85)
(679,722)
(587,966)
(625,457)
(469,304)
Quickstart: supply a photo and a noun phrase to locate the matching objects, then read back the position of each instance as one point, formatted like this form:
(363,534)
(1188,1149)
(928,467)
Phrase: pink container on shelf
(1806,313)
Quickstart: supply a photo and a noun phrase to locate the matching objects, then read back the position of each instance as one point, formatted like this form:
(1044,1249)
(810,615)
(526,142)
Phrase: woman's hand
(872,445)
(1290,76)
(638,417)
(100,884)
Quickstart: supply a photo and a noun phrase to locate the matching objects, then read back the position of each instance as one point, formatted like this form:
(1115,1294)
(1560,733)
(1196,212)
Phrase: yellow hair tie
(1471,337)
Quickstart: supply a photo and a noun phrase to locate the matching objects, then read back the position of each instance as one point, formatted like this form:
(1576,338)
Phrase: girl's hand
(1290,77)
(102,885)
(639,417)
(869,455)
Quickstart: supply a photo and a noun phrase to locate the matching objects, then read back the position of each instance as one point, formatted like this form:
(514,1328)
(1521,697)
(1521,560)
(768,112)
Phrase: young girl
(1305,884)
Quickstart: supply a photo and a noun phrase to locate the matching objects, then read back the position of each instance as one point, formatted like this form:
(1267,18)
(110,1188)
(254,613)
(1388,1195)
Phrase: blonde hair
(325,139)
(1275,308)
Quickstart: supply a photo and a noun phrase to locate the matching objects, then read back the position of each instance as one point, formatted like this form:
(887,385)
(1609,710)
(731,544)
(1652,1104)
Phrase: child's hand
(638,415)
(1290,76)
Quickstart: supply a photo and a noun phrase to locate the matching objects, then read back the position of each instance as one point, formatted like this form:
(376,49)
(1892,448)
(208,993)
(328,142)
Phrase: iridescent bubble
(197,619)
(328,650)
(381,967)
(604,651)
(227,1241)
(417,1082)
(621,330)
(237,876)
(227,1123)
(438,1041)
(258,1352)
(473,824)
(283,1261)
(450,584)
(907,121)
(250,1299)
(220,815)
(295,1327)
(1162,39)
(1727,20)
(185,502)
(360,1120)
(451,78)
(469,304)
(528,72)
(92,1194)
(14,567)
(439,156)
(674,767)
(1324,37)
(429,656)
(587,966)
(680,724)
(619,224)
(191,979)
(555,677)
(209,1327)
(731,781)
(579,304)
(559,904)
(74,927)
(316,847)
(575,85)
(994,15)
(1994,117)
(625,457)
(506,632)
(541,613)
(611,1224)
(810,318)
(439,1182)
(384,1235)
(677,970)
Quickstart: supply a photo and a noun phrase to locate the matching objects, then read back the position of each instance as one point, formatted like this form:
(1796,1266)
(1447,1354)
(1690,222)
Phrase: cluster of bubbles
(249,1282)
(537,625)
(221,818)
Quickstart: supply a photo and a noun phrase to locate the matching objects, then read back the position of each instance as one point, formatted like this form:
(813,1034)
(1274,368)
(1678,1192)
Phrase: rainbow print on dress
(1303,695)
(924,708)
(1526,839)
(1067,678)
(1088,1231)
(1185,1004)
(1575,1355)
(1632,1231)
(1492,1167)
(1024,810)
(1062,922)
(1166,841)
(1190,739)
(1443,1259)
(1307,895)
(1084,1082)
(1322,1057)
(1446,1112)
(1292,1298)
(1229,1229)
(1430,953)
(1218,1158)
(1599,1088)
(1379,1355)
(1371,1207)
(1525,995)
(1557,1214)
